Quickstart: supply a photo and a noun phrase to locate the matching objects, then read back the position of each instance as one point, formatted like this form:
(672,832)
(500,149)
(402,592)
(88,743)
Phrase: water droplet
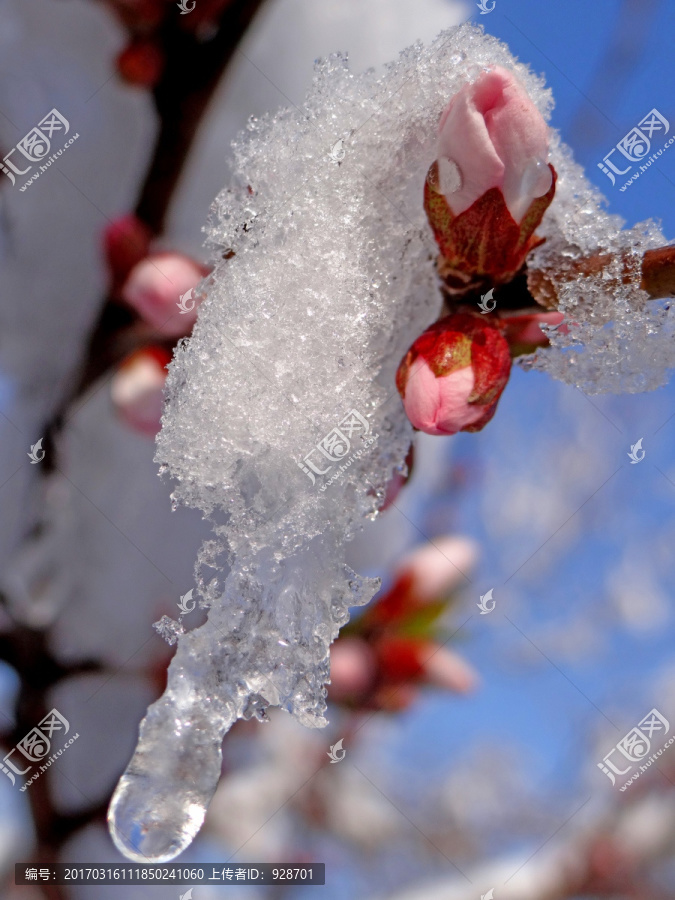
(160,802)
(449,176)
(141,834)
(537,178)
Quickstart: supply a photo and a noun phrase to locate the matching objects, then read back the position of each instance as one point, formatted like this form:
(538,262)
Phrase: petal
(422,398)
(519,135)
(464,138)
(445,669)
(455,412)
(498,138)
(434,569)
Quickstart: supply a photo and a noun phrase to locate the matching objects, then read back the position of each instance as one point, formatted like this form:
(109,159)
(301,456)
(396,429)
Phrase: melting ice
(331,280)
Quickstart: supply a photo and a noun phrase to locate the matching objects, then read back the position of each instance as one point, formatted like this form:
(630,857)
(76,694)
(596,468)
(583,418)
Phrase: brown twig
(657,273)
(192,71)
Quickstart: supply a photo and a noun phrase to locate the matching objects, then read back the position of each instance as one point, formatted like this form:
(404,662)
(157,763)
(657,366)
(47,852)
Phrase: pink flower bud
(403,659)
(453,375)
(489,188)
(491,135)
(137,389)
(154,289)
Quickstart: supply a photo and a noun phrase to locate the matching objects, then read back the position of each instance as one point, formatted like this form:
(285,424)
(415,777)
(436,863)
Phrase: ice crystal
(169,629)
(619,340)
(324,277)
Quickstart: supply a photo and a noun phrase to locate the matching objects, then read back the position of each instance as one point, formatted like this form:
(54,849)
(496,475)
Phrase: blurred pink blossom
(154,288)
(434,569)
(137,389)
(352,668)
(445,669)
(141,62)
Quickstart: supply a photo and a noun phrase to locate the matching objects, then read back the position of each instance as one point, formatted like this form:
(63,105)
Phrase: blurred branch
(657,274)
(193,68)
(606,855)
(192,71)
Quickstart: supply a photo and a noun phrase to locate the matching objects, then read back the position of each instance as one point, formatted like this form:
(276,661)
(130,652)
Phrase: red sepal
(484,240)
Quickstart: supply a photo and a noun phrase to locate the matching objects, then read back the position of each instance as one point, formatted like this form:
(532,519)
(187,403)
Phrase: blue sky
(607,70)
(570,43)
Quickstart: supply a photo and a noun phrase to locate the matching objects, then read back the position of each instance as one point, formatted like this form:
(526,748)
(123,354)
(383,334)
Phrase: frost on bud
(490,186)
(453,375)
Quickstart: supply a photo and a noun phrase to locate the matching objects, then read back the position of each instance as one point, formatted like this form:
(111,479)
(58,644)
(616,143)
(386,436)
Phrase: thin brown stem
(192,71)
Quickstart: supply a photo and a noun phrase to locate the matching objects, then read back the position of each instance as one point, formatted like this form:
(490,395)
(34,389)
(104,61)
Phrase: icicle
(283,421)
